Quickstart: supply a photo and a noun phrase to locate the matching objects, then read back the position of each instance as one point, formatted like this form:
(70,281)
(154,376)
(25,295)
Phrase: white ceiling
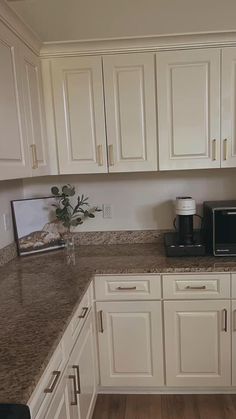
(64,20)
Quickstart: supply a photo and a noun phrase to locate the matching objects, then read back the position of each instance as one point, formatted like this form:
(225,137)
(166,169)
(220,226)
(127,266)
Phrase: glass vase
(70,249)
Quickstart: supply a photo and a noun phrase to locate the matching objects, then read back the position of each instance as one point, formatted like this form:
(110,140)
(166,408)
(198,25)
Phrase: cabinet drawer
(48,384)
(196,286)
(80,315)
(128,287)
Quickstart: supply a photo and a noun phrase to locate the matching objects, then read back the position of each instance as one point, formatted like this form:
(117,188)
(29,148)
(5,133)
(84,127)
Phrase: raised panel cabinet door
(188,96)
(130,343)
(234,343)
(61,407)
(228,113)
(14,153)
(129,85)
(197,343)
(79,114)
(34,112)
(83,367)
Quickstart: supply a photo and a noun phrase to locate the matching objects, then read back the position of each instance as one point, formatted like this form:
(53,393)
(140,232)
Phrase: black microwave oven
(219,227)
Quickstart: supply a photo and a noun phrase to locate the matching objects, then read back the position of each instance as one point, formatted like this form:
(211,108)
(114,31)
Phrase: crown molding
(147,43)
(21,30)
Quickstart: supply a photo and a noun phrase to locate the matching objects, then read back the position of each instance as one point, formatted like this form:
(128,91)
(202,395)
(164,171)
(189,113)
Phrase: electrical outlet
(7,221)
(107,210)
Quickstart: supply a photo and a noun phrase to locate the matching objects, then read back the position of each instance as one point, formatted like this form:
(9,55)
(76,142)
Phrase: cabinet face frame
(200,70)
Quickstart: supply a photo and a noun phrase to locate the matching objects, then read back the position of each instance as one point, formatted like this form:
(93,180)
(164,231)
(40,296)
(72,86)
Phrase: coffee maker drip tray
(175,248)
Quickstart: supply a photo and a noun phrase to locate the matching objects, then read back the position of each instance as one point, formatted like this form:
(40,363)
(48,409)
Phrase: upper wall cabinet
(14,152)
(34,112)
(79,113)
(228,126)
(129,85)
(188,92)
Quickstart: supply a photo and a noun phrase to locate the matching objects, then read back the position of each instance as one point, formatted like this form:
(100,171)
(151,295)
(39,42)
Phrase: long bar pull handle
(75,401)
(34,156)
(191,287)
(76,368)
(99,155)
(225,149)
(101,321)
(214,154)
(83,313)
(225,319)
(126,288)
(234,321)
(56,375)
(111,155)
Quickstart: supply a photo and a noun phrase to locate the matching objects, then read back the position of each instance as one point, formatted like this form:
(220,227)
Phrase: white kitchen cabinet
(234,343)
(197,343)
(61,407)
(14,152)
(130,343)
(188,94)
(129,85)
(34,111)
(228,95)
(79,114)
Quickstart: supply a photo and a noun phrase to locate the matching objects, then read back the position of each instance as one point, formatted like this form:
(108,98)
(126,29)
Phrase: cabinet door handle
(99,155)
(83,313)
(197,287)
(111,155)
(34,156)
(75,401)
(234,321)
(100,321)
(225,149)
(225,319)
(126,288)
(214,153)
(56,375)
(76,368)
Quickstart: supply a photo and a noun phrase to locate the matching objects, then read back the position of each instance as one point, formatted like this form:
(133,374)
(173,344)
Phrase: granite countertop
(39,294)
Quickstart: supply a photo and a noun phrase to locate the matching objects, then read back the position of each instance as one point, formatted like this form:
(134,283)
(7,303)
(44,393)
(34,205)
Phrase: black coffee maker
(184,241)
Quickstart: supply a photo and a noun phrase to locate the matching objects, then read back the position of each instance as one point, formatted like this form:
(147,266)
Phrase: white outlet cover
(7,221)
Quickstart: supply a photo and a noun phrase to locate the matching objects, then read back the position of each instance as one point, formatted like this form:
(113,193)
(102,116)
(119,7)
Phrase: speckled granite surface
(39,294)
(8,253)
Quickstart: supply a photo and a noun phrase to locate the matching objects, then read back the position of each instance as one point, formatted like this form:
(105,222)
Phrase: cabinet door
(34,112)
(129,84)
(61,407)
(234,343)
(14,153)
(130,343)
(79,113)
(188,94)
(83,367)
(197,342)
(228,120)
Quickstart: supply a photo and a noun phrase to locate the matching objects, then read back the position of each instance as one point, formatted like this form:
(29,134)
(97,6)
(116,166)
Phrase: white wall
(9,190)
(144,200)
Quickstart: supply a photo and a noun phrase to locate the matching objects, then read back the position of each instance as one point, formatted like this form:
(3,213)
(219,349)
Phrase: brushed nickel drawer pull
(76,368)
(225,149)
(101,321)
(214,155)
(111,155)
(84,312)
(192,287)
(126,288)
(225,318)
(75,401)
(56,375)
(34,156)
(99,155)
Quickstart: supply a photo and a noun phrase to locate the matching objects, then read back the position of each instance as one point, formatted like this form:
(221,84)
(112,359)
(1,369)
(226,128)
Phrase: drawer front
(233,285)
(80,315)
(199,286)
(128,287)
(48,384)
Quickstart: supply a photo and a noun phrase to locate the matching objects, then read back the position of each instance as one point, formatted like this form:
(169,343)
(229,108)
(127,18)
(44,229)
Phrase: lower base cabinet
(198,343)
(130,343)
(234,343)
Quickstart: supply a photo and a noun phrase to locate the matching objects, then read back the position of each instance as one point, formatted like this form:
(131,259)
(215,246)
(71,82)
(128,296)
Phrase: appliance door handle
(231,213)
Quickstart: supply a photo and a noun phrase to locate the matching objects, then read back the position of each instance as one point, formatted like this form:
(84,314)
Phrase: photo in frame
(35,225)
